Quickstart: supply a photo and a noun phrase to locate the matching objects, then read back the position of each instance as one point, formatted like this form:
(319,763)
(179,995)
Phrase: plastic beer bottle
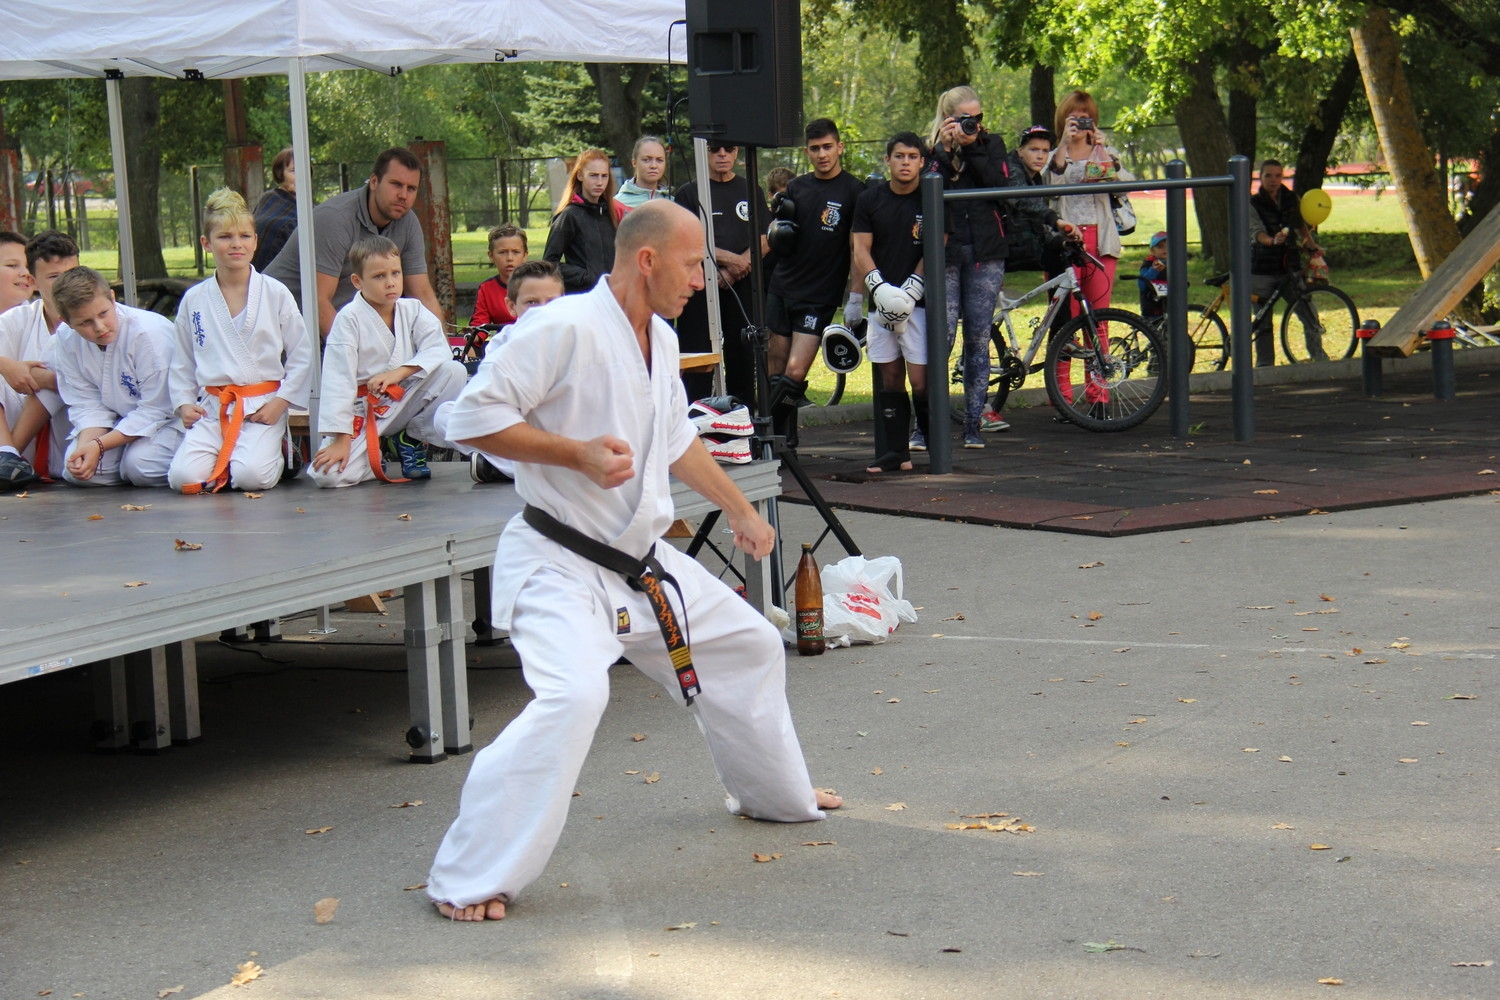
(809,601)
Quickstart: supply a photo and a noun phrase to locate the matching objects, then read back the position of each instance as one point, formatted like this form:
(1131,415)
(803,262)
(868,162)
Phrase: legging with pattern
(973,287)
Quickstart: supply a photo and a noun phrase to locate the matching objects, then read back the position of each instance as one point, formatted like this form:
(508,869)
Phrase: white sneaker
(731,451)
(714,416)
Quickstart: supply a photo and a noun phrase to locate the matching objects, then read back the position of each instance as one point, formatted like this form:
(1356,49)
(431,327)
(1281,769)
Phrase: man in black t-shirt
(729,202)
(1277,229)
(886,245)
(812,276)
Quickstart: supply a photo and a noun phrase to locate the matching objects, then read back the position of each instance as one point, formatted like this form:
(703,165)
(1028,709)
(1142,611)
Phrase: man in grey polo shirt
(381,207)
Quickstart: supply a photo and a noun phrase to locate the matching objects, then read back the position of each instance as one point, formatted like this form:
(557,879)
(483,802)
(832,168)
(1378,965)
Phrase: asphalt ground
(1178,718)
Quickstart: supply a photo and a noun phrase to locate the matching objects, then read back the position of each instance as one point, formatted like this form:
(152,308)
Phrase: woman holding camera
(1082,156)
(970,157)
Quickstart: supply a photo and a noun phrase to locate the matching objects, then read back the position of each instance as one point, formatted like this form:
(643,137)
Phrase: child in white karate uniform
(34,428)
(242,361)
(386,369)
(111,363)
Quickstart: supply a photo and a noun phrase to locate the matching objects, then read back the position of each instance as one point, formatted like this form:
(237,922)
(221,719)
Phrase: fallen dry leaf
(253,496)
(1399,645)
(1084,517)
(1245,462)
(637,737)
(895,807)
(136,583)
(1330,981)
(955,618)
(1282,826)
(1318,847)
(414,888)
(1406,760)
(1136,722)
(1285,760)
(1325,597)
(683,927)
(1003,826)
(653,777)
(248,972)
(318,830)
(1095,615)
(1249,749)
(1485,472)
(1421,723)
(1473,965)
(403,517)
(1123,649)
(163,994)
(877,770)
(407,805)
(893,701)
(632,772)
(1187,701)
(1451,697)
(763,858)
(324,909)
(819,843)
(183,546)
(301,511)
(135,506)
(1259,607)
(1092,565)
(1375,660)
(953,951)
(1265,493)
(96,517)
(1028,874)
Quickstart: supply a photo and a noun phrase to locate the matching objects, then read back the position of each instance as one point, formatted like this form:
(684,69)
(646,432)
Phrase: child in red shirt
(507,249)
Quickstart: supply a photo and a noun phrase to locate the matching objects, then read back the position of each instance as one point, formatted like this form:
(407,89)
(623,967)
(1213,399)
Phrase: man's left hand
(753,534)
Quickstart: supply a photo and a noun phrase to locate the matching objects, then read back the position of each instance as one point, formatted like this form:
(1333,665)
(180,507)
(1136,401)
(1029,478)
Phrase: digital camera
(969,123)
(1084,124)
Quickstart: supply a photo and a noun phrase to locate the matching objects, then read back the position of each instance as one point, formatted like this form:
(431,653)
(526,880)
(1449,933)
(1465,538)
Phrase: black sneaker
(15,471)
(482,471)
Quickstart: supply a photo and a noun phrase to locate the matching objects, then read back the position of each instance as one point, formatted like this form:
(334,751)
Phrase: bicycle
(1120,379)
(1319,322)
(1207,334)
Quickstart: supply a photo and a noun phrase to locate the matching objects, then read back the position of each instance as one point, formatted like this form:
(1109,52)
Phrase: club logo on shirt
(742,210)
(916,230)
(832,213)
(198,332)
(131,386)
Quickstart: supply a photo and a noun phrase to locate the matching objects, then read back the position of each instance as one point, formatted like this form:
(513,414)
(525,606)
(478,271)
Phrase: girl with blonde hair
(243,360)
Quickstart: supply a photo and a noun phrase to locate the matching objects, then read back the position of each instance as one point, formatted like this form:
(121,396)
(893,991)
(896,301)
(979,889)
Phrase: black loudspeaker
(745,71)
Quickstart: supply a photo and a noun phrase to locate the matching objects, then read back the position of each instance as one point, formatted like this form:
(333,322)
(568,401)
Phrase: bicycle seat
(1217,280)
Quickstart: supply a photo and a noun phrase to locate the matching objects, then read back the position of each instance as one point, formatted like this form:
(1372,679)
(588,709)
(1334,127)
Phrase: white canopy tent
(226,39)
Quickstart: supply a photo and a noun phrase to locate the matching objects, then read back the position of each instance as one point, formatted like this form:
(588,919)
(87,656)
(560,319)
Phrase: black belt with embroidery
(645,575)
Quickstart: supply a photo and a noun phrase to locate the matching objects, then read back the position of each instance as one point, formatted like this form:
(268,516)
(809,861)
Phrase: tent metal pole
(302,160)
(716,331)
(122,184)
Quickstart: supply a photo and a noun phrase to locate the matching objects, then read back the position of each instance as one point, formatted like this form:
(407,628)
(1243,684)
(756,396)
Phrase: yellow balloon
(1316,205)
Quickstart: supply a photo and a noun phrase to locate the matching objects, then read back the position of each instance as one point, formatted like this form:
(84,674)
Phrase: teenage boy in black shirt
(886,245)
(812,277)
(729,202)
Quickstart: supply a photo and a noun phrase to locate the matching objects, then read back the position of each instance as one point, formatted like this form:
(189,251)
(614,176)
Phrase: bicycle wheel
(1108,386)
(1318,326)
(826,389)
(1210,337)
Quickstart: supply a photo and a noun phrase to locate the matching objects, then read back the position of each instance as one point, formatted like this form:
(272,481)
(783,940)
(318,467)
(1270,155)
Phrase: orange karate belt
(42,455)
(229,425)
(365,426)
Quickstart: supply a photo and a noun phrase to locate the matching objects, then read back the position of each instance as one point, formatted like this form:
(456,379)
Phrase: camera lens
(969,125)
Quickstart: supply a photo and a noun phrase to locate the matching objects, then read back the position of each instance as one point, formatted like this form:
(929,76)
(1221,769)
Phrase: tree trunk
(1487,192)
(1205,140)
(1043,95)
(1434,234)
(140,106)
(1318,138)
(620,86)
(1244,74)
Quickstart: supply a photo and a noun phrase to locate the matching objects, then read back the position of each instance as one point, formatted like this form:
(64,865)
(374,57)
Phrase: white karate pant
(59,429)
(142,462)
(414,412)
(256,462)
(516,796)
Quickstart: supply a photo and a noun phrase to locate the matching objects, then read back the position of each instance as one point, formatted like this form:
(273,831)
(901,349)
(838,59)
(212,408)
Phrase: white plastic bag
(862,599)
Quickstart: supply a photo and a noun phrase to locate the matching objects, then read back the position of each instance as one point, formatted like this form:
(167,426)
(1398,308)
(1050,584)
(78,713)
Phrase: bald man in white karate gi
(585,398)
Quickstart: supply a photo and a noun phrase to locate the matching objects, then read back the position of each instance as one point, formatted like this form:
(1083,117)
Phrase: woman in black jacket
(968,157)
(582,238)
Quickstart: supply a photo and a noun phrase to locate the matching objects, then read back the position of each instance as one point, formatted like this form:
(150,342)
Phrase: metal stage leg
(423,673)
(110,712)
(150,716)
(453,673)
(182,692)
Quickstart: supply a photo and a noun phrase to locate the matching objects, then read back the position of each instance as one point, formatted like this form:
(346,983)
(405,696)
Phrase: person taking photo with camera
(968,156)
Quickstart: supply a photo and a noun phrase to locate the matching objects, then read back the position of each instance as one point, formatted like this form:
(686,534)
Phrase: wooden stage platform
(88,579)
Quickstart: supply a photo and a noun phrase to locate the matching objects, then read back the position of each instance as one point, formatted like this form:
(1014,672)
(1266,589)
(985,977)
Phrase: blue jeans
(973,287)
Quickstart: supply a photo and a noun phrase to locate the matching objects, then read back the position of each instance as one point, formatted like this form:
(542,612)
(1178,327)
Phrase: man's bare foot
(827,799)
(490,909)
